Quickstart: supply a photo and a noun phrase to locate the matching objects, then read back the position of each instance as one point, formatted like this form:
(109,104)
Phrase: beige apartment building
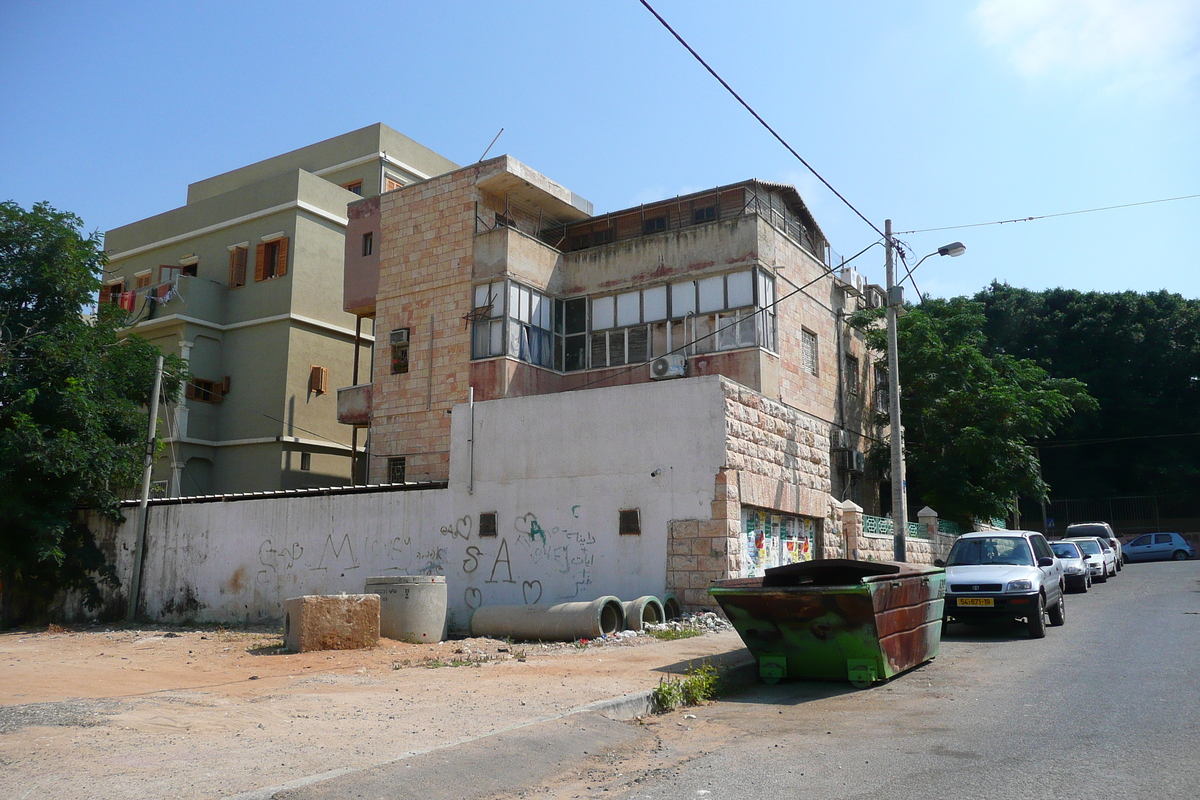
(493,281)
(245,283)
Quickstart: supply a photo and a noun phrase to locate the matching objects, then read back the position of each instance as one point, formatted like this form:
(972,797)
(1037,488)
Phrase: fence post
(928,518)
(851,527)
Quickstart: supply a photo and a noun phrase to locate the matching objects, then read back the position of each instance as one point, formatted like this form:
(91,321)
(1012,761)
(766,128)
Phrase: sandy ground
(189,713)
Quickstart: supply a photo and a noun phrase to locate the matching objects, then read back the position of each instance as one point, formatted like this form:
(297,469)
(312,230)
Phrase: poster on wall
(774,540)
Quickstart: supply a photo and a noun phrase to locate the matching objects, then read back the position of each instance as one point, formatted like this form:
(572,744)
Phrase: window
(141,280)
(368,243)
(390,184)
(487,523)
(306,461)
(190,270)
(654,225)
(238,255)
(487,333)
(573,330)
(205,391)
(602,237)
(851,375)
(271,261)
(706,214)
(396,469)
(630,522)
(530,325)
(808,351)
(399,344)
(353,186)
(318,379)
(111,292)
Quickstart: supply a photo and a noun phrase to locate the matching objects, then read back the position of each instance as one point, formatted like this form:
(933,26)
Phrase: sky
(933,113)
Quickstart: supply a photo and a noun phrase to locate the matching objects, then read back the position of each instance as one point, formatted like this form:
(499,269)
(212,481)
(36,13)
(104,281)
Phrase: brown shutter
(318,379)
(260,261)
(190,392)
(105,294)
(225,384)
(281,258)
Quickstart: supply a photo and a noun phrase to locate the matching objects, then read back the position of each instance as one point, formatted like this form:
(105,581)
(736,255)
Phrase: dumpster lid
(838,571)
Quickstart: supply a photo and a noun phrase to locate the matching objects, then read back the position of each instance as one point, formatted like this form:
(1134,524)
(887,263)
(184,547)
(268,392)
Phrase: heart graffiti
(526,589)
(473,598)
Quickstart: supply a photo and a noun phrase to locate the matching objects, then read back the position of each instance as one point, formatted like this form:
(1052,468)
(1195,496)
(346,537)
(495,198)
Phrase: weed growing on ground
(698,685)
(669,634)
(520,655)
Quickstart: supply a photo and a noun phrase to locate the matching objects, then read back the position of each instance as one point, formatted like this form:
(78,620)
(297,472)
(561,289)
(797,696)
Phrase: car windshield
(1090,547)
(990,550)
(1088,530)
(1065,550)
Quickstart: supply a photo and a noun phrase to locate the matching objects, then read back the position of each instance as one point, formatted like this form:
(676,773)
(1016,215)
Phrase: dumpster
(837,619)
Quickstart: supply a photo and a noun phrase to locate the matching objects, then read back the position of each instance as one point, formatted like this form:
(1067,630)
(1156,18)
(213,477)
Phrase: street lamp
(895,294)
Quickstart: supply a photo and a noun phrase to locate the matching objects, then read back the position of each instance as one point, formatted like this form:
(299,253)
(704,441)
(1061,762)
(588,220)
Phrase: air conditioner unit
(839,439)
(855,461)
(852,281)
(673,365)
(876,296)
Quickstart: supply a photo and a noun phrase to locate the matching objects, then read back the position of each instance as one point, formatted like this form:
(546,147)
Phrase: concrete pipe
(564,622)
(642,611)
(671,609)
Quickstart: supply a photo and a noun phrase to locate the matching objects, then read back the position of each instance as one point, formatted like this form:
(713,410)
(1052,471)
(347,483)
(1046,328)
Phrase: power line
(1048,216)
(755,114)
(1082,442)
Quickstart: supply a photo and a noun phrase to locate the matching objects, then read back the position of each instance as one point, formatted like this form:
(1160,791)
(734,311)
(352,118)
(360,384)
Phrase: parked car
(1004,575)
(1101,561)
(1075,567)
(1101,530)
(1159,546)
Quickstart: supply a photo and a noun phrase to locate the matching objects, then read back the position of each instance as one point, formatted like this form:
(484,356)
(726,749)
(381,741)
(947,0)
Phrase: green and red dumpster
(837,619)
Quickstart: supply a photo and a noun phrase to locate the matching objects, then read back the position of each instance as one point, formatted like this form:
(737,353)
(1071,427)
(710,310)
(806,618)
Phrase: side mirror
(1045,561)
(937,562)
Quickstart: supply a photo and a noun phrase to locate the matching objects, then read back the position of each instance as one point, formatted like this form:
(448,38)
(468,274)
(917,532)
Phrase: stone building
(244,282)
(493,281)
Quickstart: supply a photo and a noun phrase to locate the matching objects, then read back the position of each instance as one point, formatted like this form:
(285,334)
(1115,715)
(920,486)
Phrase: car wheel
(1037,620)
(1179,555)
(1085,584)
(1103,576)
(1058,612)
(1113,574)
(1089,582)
(1119,565)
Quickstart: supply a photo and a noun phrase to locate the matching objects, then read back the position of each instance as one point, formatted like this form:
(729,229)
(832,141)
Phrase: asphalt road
(1107,706)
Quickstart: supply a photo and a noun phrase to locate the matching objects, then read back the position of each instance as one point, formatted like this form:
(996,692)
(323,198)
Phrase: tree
(1140,357)
(72,407)
(969,415)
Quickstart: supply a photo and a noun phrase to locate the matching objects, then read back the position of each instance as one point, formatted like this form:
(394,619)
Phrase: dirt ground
(120,712)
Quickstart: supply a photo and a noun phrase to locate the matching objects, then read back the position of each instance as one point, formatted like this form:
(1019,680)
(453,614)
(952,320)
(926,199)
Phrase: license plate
(976,601)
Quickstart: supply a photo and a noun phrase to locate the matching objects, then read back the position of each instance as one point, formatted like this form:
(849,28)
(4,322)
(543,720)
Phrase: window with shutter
(318,379)
(271,259)
(238,256)
(808,352)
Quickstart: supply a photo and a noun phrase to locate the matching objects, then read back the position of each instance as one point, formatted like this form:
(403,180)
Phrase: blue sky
(932,112)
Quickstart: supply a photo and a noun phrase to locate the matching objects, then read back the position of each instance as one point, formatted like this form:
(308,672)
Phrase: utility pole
(135,584)
(895,297)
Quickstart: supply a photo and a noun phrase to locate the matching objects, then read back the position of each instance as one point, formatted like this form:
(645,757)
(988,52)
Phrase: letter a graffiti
(502,558)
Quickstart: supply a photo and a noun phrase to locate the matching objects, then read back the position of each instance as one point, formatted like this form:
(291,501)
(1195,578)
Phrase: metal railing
(882,526)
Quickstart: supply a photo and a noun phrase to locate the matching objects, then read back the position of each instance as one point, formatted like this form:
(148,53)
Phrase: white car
(1101,530)
(1004,575)
(1102,561)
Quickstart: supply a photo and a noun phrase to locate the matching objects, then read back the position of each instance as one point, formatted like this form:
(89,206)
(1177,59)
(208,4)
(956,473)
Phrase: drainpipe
(471,439)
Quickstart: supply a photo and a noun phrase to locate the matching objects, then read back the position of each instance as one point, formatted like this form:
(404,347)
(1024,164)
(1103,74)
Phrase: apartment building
(245,283)
(493,281)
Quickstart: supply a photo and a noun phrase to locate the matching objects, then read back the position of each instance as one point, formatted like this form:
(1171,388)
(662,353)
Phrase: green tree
(72,407)
(969,415)
(1140,357)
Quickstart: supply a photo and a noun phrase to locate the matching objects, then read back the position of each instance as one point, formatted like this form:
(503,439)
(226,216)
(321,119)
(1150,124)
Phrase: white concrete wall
(557,537)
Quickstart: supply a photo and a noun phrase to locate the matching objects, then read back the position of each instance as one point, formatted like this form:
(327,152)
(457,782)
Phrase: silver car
(1075,567)
(997,575)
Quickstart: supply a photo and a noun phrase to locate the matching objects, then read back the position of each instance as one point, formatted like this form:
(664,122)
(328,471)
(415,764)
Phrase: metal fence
(1129,515)
(882,526)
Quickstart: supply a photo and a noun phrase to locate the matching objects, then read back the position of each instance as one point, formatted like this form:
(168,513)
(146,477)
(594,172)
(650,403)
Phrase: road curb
(734,676)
